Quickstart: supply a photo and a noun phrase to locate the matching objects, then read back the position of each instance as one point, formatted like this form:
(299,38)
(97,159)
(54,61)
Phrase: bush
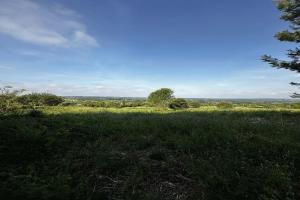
(224,105)
(40,99)
(178,104)
(113,104)
(295,106)
(68,103)
(133,103)
(194,104)
(8,96)
(51,100)
(31,113)
(7,103)
(89,103)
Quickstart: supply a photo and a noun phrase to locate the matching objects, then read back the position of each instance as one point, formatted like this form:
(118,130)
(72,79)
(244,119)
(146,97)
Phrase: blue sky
(199,48)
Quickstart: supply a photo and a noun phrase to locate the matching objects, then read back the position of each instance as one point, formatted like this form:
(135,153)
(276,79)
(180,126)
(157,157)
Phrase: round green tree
(161,97)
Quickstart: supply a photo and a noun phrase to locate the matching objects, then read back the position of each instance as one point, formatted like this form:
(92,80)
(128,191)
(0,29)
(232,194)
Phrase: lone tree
(161,97)
(291,13)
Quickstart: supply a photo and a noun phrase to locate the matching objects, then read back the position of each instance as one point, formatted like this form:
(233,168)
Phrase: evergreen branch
(274,62)
(288,36)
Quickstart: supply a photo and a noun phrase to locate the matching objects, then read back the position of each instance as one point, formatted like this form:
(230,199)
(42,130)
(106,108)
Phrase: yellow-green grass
(82,109)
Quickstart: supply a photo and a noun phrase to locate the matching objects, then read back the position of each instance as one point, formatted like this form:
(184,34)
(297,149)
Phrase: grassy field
(76,152)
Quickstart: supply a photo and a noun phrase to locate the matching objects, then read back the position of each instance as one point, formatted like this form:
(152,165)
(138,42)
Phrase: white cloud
(81,37)
(240,84)
(99,86)
(64,11)
(38,24)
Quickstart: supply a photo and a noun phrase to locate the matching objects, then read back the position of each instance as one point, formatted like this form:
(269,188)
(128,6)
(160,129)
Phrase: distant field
(252,100)
(211,152)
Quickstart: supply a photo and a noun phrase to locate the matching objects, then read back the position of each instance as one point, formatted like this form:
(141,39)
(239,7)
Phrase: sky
(128,48)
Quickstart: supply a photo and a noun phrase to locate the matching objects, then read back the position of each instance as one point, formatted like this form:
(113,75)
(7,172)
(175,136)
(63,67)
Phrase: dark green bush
(68,103)
(51,100)
(178,104)
(40,99)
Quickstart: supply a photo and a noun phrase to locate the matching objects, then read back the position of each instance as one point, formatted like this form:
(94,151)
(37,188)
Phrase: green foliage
(290,13)
(194,104)
(89,103)
(8,99)
(295,106)
(135,103)
(178,104)
(40,99)
(224,105)
(95,153)
(51,99)
(29,112)
(68,103)
(161,97)
(112,103)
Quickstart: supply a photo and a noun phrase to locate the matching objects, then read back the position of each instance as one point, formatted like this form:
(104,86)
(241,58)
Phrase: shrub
(40,99)
(31,113)
(7,103)
(8,98)
(133,103)
(178,104)
(29,99)
(68,103)
(295,106)
(194,104)
(51,100)
(224,105)
(89,103)
(113,104)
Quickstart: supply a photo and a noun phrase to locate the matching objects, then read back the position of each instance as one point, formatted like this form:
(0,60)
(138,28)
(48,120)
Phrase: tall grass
(76,152)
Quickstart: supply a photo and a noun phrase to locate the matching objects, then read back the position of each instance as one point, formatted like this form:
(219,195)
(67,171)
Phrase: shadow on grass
(178,155)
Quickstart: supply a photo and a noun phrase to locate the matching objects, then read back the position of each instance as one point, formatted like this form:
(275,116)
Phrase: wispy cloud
(260,83)
(4,67)
(38,24)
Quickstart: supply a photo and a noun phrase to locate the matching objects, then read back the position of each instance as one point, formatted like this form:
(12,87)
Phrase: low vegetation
(178,104)
(40,99)
(56,148)
(12,100)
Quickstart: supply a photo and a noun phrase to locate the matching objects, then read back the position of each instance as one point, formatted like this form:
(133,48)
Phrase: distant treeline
(190,103)
(203,100)
(12,100)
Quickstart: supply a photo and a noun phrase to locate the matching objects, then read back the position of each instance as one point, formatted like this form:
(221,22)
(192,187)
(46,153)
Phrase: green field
(76,152)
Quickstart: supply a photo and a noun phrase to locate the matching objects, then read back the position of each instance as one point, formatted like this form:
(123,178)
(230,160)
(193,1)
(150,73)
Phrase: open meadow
(149,100)
(212,152)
